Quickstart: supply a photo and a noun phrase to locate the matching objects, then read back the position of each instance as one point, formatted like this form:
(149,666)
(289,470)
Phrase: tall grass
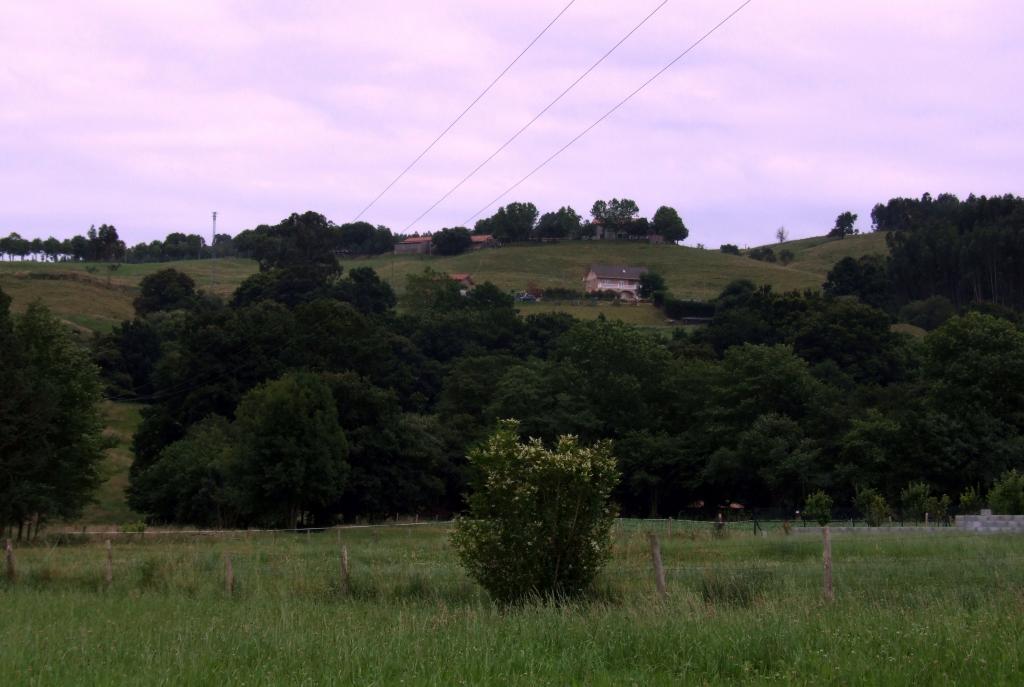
(741,610)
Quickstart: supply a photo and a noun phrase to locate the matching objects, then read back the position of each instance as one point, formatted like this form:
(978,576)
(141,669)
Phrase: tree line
(514,222)
(519,222)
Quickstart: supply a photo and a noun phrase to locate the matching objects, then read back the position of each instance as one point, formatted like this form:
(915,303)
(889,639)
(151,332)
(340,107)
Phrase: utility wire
(540,114)
(463,113)
(609,112)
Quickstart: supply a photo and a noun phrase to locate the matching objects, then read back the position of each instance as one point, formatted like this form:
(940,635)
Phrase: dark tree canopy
(307,241)
(451,241)
(967,251)
(618,214)
(293,455)
(167,289)
(513,222)
(844,225)
(669,224)
(51,444)
(565,223)
(651,283)
(866,277)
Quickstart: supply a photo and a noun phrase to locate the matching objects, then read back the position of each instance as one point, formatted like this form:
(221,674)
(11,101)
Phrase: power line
(540,114)
(609,112)
(463,113)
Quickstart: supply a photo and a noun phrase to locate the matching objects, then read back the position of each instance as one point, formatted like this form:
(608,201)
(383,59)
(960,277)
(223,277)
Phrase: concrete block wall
(986,522)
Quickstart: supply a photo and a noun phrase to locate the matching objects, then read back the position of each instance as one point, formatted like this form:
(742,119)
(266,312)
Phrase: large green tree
(845,225)
(51,444)
(512,222)
(451,241)
(293,455)
(167,289)
(669,224)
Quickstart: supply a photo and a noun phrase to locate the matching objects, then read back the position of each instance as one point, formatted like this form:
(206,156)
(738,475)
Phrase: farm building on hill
(414,244)
(483,241)
(621,279)
(464,280)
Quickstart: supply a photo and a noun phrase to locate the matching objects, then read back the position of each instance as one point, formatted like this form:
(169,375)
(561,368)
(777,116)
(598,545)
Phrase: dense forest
(308,397)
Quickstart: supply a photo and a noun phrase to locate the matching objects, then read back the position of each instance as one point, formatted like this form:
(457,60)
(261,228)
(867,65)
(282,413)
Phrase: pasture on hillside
(909,610)
(91,298)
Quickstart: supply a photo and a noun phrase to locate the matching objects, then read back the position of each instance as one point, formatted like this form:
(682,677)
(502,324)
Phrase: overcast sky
(148,115)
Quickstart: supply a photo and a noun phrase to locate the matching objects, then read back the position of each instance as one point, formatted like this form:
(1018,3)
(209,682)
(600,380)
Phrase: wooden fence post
(344,570)
(659,569)
(229,575)
(12,574)
(826,555)
(110,564)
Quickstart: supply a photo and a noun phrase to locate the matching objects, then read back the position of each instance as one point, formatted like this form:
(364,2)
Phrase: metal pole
(213,253)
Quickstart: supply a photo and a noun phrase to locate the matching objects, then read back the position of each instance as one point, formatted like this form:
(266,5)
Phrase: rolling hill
(91,298)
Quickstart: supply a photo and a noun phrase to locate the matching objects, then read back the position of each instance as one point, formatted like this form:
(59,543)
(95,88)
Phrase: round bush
(539,520)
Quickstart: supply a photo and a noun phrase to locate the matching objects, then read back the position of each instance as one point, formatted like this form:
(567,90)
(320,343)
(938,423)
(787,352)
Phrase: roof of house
(481,238)
(417,239)
(460,276)
(617,271)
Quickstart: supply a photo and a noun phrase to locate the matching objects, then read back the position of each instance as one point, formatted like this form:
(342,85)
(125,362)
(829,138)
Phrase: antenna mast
(213,253)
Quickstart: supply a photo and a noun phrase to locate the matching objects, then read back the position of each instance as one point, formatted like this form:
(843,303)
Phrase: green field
(689,272)
(98,300)
(744,610)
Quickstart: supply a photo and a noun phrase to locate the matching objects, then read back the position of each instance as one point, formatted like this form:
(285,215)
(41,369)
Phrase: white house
(622,279)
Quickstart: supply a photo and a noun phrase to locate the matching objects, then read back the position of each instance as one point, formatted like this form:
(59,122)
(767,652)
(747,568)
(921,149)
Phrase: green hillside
(92,299)
(820,253)
(689,272)
(97,300)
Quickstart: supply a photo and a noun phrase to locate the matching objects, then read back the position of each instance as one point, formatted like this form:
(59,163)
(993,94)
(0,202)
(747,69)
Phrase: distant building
(483,241)
(603,232)
(414,244)
(621,279)
(465,281)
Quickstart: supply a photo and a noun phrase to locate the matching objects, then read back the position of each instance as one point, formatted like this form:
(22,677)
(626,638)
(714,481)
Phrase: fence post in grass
(229,575)
(829,594)
(12,574)
(110,564)
(659,569)
(344,569)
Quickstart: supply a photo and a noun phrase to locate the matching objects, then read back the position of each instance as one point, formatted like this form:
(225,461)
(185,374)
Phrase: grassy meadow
(91,298)
(742,610)
(98,300)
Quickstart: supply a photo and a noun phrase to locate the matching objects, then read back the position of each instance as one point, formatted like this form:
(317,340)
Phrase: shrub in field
(1007,494)
(917,499)
(539,519)
(872,506)
(937,507)
(971,501)
(819,507)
